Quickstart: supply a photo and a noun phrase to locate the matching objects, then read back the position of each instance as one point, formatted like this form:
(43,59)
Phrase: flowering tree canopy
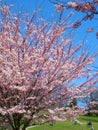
(38,69)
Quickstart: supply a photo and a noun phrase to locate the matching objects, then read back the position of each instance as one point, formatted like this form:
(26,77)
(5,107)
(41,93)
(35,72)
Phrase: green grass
(89,118)
(67,125)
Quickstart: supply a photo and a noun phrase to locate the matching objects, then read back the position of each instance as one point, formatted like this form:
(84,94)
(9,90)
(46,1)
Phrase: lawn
(69,125)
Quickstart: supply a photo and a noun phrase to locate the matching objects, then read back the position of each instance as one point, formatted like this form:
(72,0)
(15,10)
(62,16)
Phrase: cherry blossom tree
(39,67)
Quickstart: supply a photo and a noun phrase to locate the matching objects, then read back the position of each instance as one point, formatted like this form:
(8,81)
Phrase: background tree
(92,105)
(38,67)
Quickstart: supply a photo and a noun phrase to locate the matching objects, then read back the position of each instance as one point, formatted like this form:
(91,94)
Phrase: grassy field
(69,125)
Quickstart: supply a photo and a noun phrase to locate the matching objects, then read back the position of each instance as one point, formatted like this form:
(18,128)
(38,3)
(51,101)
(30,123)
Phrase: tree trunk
(26,123)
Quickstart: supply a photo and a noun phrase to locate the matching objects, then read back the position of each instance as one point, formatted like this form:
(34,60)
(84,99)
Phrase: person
(89,124)
(92,128)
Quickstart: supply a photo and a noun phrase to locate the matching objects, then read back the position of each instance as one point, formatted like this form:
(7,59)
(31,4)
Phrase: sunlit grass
(67,125)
